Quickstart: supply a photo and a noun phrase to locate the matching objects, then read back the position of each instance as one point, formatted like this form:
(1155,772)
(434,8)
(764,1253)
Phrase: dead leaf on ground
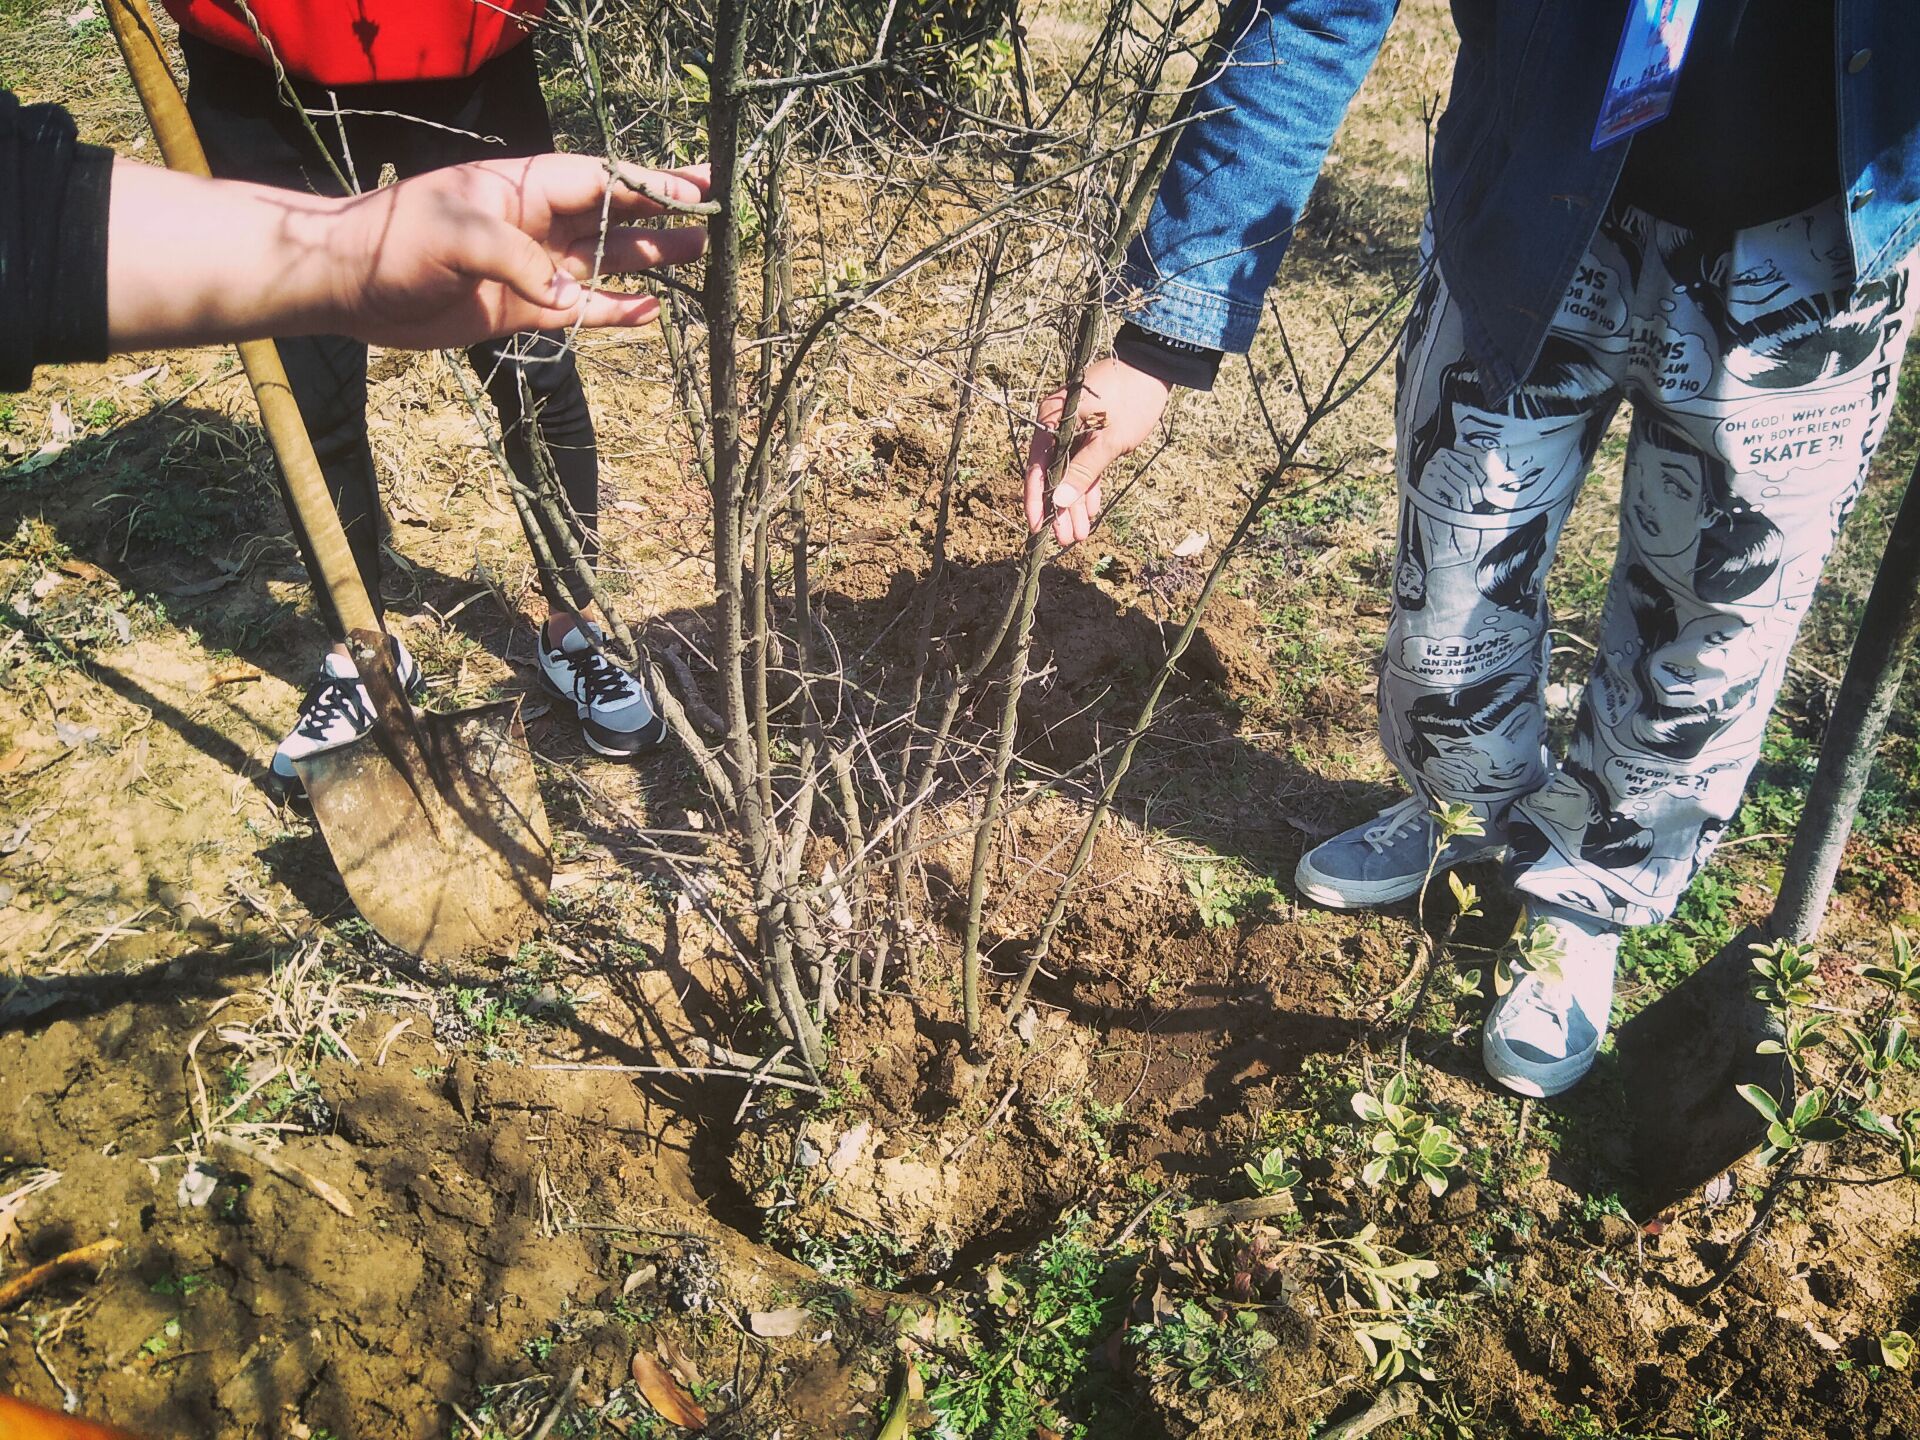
(665,1394)
(1195,542)
(678,1361)
(645,1275)
(13,759)
(777,1324)
(86,570)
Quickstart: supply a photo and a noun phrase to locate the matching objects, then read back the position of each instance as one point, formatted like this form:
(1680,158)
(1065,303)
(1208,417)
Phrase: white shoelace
(1395,823)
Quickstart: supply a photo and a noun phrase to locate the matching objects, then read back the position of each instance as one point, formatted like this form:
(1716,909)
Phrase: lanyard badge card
(1646,67)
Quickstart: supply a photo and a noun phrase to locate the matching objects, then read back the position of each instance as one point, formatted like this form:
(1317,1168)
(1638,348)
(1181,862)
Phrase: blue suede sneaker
(1543,1034)
(1384,859)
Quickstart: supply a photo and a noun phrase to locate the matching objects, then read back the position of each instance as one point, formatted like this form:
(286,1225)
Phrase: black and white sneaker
(616,713)
(338,710)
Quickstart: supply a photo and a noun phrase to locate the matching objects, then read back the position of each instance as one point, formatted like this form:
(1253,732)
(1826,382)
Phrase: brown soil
(159,906)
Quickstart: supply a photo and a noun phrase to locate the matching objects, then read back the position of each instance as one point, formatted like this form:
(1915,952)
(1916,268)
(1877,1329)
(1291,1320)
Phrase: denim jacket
(1518,191)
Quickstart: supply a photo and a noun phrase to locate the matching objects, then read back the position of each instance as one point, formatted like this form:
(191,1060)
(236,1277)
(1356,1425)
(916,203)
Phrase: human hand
(1453,480)
(1119,406)
(473,252)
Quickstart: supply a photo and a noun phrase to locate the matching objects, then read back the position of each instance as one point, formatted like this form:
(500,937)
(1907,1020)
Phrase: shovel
(1681,1057)
(434,821)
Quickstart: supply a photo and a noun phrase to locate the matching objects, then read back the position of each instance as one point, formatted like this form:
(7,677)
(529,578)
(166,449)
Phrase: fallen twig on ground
(87,1257)
(567,1392)
(273,1164)
(1233,1212)
(690,1070)
(1396,1402)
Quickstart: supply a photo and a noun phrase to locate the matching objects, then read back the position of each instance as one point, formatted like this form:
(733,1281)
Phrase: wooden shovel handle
(21,1421)
(312,507)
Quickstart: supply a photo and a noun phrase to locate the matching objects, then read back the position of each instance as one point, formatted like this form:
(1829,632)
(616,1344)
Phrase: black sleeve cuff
(54,194)
(1175,362)
(76,325)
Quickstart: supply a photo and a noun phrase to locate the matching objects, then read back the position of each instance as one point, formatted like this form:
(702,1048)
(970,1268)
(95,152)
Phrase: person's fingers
(1040,457)
(490,249)
(628,249)
(642,190)
(557,184)
(597,310)
(607,310)
(1066,498)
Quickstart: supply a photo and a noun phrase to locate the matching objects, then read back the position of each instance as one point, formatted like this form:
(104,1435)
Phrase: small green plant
(1592,1207)
(1841,1059)
(870,1256)
(1900,973)
(1223,897)
(1026,1359)
(1896,1349)
(1207,1349)
(1493,1280)
(180,1286)
(1787,1130)
(157,1343)
(1534,950)
(1789,975)
(1390,1321)
(1100,1122)
(1272,1173)
(1211,896)
(1452,821)
(1406,1144)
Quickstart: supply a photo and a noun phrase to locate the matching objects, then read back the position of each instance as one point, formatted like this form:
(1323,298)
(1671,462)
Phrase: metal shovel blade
(1680,1059)
(436,825)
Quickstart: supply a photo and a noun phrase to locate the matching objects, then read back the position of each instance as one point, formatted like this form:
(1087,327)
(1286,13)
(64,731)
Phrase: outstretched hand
(1119,406)
(449,258)
(476,251)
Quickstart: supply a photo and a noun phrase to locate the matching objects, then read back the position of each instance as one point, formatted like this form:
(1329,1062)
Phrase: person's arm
(1220,224)
(98,255)
(448,258)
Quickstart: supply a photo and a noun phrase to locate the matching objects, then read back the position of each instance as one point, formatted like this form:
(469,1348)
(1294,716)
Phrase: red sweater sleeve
(366,42)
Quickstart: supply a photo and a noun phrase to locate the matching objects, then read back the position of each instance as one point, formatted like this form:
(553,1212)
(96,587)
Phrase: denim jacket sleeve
(1240,175)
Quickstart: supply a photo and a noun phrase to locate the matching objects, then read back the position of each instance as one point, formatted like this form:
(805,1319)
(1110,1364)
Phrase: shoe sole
(1531,1078)
(1337,894)
(586,733)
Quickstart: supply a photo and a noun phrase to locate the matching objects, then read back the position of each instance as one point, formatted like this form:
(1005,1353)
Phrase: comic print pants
(1761,376)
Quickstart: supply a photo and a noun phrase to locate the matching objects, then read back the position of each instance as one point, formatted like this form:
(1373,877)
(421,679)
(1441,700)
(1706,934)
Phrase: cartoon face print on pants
(1684,516)
(1782,302)
(1473,457)
(1695,677)
(1612,857)
(1490,597)
(1481,739)
(1664,490)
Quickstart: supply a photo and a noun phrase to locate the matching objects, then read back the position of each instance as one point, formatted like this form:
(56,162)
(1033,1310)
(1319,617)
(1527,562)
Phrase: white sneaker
(616,713)
(1543,1035)
(337,709)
